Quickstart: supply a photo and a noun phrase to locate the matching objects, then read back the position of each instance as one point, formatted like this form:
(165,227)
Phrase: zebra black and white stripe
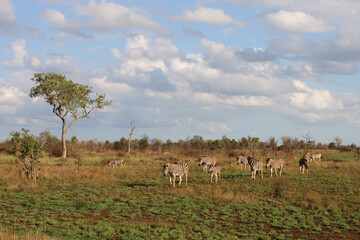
(206,162)
(115,162)
(303,164)
(276,164)
(215,171)
(176,169)
(242,160)
(256,166)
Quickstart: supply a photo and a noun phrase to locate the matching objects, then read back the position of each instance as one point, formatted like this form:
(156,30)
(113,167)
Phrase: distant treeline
(196,145)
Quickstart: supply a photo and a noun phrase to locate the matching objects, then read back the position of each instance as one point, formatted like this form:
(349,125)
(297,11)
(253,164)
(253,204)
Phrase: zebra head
(250,160)
(201,161)
(268,162)
(166,169)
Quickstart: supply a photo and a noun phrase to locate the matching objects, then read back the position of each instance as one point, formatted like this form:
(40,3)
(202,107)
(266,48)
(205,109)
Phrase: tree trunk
(63,138)
(129,143)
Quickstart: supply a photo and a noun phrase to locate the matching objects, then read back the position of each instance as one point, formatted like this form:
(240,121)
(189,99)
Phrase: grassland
(137,202)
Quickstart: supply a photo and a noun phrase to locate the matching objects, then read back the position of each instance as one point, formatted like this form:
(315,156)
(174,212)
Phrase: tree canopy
(66,98)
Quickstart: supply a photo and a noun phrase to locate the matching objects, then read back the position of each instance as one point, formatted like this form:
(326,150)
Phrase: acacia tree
(67,99)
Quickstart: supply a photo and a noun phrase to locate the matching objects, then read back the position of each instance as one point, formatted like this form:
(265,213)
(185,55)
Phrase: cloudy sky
(263,68)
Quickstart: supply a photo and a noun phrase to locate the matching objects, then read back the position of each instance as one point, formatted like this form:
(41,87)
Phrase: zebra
(242,160)
(215,171)
(176,169)
(116,162)
(316,156)
(256,166)
(277,164)
(313,156)
(303,164)
(206,162)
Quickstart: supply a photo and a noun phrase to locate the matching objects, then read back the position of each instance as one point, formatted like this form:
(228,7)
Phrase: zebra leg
(262,175)
(271,172)
(180,180)
(216,177)
(211,177)
(276,172)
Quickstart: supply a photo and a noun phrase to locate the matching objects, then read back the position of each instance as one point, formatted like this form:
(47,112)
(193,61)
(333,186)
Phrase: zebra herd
(209,164)
(256,166)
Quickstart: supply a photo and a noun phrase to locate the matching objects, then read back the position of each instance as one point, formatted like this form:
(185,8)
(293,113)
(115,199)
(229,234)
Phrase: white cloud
(209,16)
(213,127)
(10,100)
(53,16)
(21,121)
(223,100)
(103,84)
(103,16)
(315,100)
(6,11)
(160,95)
(20,54)
(296,21)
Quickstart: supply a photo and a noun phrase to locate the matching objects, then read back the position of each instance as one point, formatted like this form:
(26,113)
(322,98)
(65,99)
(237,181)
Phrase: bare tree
(309,142)
(338,141)
(132,128)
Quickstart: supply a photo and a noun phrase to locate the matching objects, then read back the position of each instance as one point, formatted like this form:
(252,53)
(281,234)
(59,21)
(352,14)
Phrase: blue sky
(264,68)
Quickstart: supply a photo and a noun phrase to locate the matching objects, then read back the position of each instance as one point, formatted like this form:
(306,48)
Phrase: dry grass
(142,174)
(6,235)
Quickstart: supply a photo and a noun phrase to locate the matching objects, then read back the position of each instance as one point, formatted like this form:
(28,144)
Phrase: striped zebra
(215,171)
(316,157)
(206,162)
(241,160)
(176,169)
(303,164)
(116,162)
(256,166)
(313,156)
(308,157)
(276,164)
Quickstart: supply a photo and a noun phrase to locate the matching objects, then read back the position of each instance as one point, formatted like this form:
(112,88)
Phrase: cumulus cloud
(296,21)
(213,127)
(6,11)
(20,54)
(223,100)
(107,86)
(315,100)
(209,16)
(53,16)
(10,100)
(103,16)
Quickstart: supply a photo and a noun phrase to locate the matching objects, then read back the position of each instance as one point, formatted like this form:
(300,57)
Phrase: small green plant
(28,150)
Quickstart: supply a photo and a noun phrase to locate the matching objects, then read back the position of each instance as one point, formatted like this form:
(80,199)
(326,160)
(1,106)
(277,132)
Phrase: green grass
(137,202)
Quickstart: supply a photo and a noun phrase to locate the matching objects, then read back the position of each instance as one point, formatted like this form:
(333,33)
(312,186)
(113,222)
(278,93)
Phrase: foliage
(28,150)
(66,97)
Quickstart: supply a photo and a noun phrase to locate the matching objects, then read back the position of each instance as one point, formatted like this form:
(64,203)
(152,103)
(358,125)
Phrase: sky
(260,68)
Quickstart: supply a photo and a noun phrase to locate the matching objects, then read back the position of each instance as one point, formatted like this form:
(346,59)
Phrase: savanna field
(136,201)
